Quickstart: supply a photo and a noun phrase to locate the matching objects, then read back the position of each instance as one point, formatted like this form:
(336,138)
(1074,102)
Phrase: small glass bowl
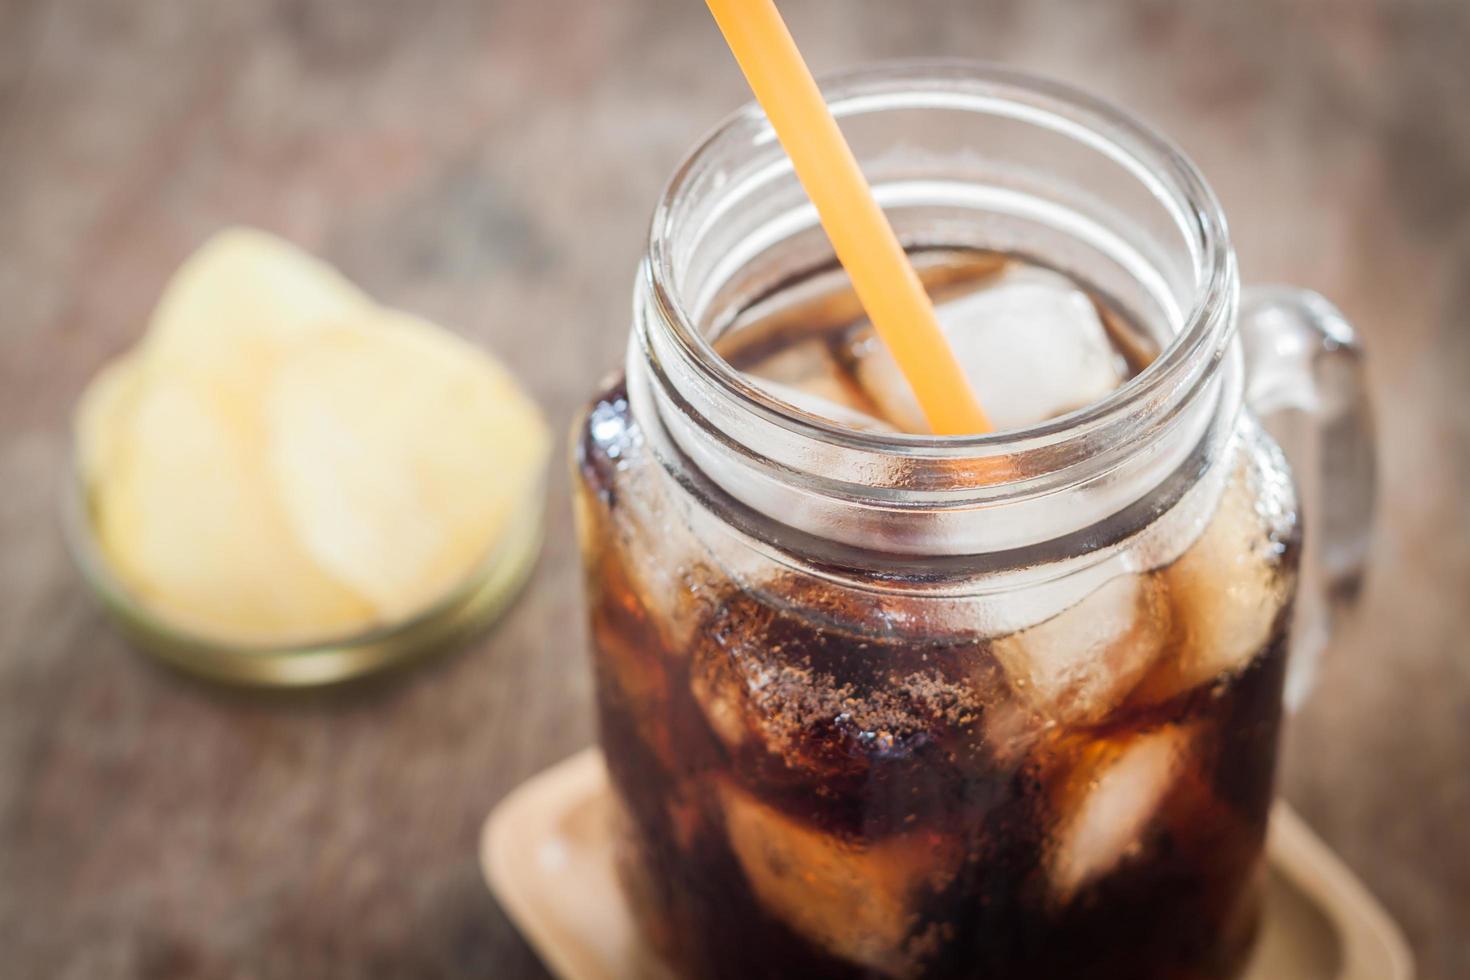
(474,604)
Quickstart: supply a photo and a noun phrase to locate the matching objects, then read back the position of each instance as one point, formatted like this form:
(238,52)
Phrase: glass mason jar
(1007,705)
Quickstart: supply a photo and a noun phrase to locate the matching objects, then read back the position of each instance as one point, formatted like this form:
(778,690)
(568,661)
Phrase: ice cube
(1229,587)
(717,689)
(759,353)
(667,566)
(856,899)
(814,398)
(812,702)
(759,693)
(807,376)
(632,672)
(1080,664)
(1106,798)
(1030,341)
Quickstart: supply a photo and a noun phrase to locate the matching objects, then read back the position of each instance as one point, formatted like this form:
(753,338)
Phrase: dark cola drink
(827,770)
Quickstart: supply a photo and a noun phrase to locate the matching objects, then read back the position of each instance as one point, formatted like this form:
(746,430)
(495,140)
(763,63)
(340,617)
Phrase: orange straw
(864,241)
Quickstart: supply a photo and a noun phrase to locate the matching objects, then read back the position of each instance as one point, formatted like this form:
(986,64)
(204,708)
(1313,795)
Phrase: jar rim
(1152,157)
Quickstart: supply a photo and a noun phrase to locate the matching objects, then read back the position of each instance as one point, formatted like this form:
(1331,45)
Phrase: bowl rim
(79,534)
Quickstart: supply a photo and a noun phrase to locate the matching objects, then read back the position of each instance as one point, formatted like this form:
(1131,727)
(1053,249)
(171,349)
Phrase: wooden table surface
(492,165)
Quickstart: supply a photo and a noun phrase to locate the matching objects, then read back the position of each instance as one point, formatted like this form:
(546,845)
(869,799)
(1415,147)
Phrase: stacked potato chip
(282,460)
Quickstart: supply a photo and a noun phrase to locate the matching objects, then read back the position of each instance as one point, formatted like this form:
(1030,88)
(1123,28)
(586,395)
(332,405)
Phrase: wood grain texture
(492,165)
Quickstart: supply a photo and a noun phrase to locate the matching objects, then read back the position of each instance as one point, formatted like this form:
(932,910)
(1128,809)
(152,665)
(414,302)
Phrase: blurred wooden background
(492,164)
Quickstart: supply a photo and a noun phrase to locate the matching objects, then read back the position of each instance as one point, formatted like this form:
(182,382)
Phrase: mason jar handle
(1305,382)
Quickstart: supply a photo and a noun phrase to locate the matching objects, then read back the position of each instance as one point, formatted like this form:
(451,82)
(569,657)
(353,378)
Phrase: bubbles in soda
(819,779)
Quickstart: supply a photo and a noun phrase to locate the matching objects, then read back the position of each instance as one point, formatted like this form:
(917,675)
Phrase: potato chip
(236,307)
(186,517)
(284,461)
(399,452)
(102,416)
